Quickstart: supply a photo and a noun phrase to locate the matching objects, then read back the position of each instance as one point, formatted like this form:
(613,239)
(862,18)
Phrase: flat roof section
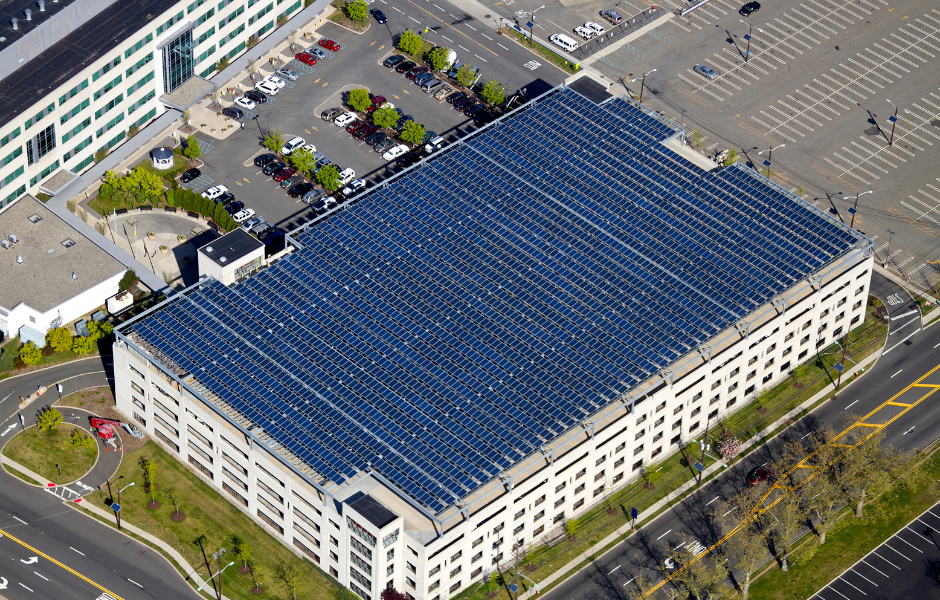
(51,251)
(68,57)
(375,513)
(454,320)
(231,247)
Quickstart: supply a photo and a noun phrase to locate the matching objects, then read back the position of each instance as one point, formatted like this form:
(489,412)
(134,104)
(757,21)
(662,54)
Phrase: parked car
(379,16)
(323,204)
(402,122)
(292,181)
(306,58)
(464,103)
(354,186)
(444,92)
(487,116)
(749,9)
(276,81)
(264,160)
(563,41)
(428,135)
(244,102)
(330,45)
(292,144)
(432,85)
(190,174)
(274,167)
(758,475)
(611,16)
(331,113)
(214,192)
(233,207)
(705,71)
(226,198)
(248,224)
(284,174)
(384,145)
(322,163)
(394,60)
(585,32)
(434,145)
(407,159)
(355,126)
(344,119)
(243,215)
(376,138)
(365,131)
(288,74)
(313,195)
(413,73)
(597,27)
(256,96)
(453,98)
(346,175)
(395,152)
(318,52)
(424,78)
(233,113)
(299,189)
(474,109)
(405,66)
(378,100)
(267,87)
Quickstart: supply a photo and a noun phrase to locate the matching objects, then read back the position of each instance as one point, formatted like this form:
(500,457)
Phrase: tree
(274,141)
(240,550)
(193,150)
(650,475)
(695,139)
(701,576)
(493,92)
(289,576)
(328,177)
(789,518)
(748,545)
(218,215)
(258,574)
(729,448)
(385,117)
(60,339)
(99,329)
(465,75)
(30,353)
(392,594)
(439,58)
(731,158)
(358,99)
(302,160)
(825,499)
(410,42)
(149,182)
(149,469)
(83,345)
(640,587)
(80,439)
(132,131)
(413,132)
(49,419)
(174,496)
(357,10)
(101,154)
(222,64)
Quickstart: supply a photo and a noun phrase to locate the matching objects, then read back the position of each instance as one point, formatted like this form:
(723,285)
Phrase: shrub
(274,141)
(101,154)
(132,131)
(413,132)
(359,99)
(281,20)
(357,10)
(129,279)
(105,190)
(49,419)
(83,345)
(438,58)
(410,42)
(7,356)
(222,64)
(328,177)
(385,117)
(60,339)
(729,448)
(80,439)
(493,92)
(192,150)
(465,75)
(30,353)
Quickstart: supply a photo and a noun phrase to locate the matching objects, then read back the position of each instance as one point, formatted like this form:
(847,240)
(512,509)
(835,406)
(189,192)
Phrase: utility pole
(855,208)
(218,559)
(704,445)
(643,84)
(845,345)
(750,28)
(894,121)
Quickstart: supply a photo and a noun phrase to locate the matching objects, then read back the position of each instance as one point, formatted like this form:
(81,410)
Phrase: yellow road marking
(927,385)
(238,183)
(317,80)
(246,180)
(67,568)
(406,91)
(381,47)
(326,84)
(395,97)
(307,131)
(373,44)
(454,28)
(759,510)
(314,128)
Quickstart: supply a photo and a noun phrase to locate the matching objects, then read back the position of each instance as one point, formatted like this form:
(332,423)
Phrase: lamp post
(682,126)
(531,22)
(750,28)
(211,577)
(770,152)
(117,513)
(894,121)
(643,84)
(884,263)
(855,208)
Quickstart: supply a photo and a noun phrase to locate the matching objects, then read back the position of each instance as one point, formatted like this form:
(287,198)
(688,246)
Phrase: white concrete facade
(436,556)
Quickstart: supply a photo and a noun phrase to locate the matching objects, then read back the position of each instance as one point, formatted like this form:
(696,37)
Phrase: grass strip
(50,453)
(556,59)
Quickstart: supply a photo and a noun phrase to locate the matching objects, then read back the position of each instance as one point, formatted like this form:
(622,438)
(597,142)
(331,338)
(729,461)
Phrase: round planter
(177,516)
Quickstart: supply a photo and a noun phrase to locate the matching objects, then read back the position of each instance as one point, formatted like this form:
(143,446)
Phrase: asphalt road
(70,552)
(608,576)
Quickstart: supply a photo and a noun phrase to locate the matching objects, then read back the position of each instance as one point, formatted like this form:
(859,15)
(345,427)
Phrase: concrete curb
(625,531)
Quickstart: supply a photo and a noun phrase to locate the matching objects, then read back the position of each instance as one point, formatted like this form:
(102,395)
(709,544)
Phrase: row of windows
(74,151)
(13,155)
(141,83)
(75,110)
(179,17)
(205,36)
(139,64)
(140,44)
(144,100)
(231,36)
(72,92)
(10,136)
(33,120)
(76,130)
(106,68)
(108,87)
(107,107)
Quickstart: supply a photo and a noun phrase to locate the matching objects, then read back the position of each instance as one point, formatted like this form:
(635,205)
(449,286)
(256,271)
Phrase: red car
(366,131)
(306,58)
(378,100)
(758,475)
(284,174)
(354,126)
(330,45)
(415,72)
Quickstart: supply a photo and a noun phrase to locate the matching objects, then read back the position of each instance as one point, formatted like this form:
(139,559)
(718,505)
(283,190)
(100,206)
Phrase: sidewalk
(575,565)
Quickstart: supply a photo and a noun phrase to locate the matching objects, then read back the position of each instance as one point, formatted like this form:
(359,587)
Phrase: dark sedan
(376,138)
(189,175)
(758,475)
(355,126)
(474,109)
(749,9)
(394,60)
(365,131)
(256,96)
(402,122)
(264,160)
(225,199)
(234,207)
(300,189)
(379,16)
(405,66)
(406,160)
(462,104)
(274,167)
(455,98)
(415,72)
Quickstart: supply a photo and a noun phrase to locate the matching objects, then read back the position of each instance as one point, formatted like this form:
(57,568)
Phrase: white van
(563,41)
(585,32)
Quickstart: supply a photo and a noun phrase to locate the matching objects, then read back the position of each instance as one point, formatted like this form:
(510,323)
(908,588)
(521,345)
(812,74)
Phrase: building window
(750,376)
(560,486)
(659,421)
(638,449)
(578,504)
(697,396)
(41,144)
(769,363)
(579,489)
(619,462)
(731,403)
(598,491)
(696,411)
(581,473)
(600,460)
(178,61)
(804,340)
(641,419)
(677,424)
(806,325)
(714,400)
(620,447)
(788,337)
(786,351)
(559,502)
(657,437)
(656,452)
(599,476)
(637,465)
(661,406)
(639,434)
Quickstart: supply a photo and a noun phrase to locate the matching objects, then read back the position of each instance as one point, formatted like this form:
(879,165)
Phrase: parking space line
(852,586)
(865,578)
(887,545)
(874,569)
(887,561)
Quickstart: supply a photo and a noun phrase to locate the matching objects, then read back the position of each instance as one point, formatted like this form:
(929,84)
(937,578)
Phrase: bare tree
(639,587)
(289,577)
(824,497)
(253,67)
(701,576)
(748,544)
(788,517)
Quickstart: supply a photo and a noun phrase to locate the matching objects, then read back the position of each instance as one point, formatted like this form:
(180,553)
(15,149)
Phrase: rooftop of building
(231,247)
(451,322)
(15,9)
(373,511)
(58,262)
(31,83)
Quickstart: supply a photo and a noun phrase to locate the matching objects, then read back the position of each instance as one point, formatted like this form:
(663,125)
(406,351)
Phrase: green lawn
(49,357)
(207,513)
(41,451)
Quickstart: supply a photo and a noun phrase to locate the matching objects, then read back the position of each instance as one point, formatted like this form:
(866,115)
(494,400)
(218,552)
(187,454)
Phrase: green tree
(110,178)
(413,132)
(173,494)
(328,177)
(747,543)
(695,139)
(49,419)
(410,42)
(789,518)
(731,158)
(129,279)
(289,576)
(193,150)
(385,117)
(358,99)
(30,353)
(274,141)
(493,92)
(258,573)
(99,329)
(302,160)
(171,197)
(83,345)
(241,550)
(149,182)
(702,576)
(60,339)
(219,213)
(357,10)
(101,154)
(80,439)
(465,75)
(439,58)
(149,470)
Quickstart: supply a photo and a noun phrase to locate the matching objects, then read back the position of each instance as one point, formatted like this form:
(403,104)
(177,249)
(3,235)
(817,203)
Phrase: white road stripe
(850,405)
(135,583)
(664,535)
(19,519)
(501,46)
(38,575)
(30,589)
(896,374)
(82,553)
(713,499)
(413,19)
(470,26)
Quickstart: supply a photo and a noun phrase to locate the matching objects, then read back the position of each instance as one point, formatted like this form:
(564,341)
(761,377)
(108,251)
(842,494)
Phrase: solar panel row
(463,315)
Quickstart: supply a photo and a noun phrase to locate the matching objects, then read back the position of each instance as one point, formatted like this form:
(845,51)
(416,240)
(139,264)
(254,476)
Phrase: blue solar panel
(456,320)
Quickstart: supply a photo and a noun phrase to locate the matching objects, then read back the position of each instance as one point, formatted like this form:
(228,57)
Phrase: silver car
(287,74)
(432,86)
(292,181)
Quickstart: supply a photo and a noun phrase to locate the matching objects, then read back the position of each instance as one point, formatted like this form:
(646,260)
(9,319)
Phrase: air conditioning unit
(6,244)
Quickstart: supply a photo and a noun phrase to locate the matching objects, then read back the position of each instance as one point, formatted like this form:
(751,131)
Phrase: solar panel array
(452,322)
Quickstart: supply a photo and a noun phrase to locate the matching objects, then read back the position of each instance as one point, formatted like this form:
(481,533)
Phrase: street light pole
(894,122)
(750,29)
(643,84)
(770,153)
(884,263)
(211,577)
(532,21)
(855,208)
(117,513)
(682,126)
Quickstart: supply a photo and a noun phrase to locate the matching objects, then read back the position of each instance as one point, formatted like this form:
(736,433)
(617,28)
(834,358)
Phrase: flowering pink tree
(730,448)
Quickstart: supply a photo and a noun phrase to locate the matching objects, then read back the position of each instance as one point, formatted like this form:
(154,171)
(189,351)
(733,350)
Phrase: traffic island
(62,454)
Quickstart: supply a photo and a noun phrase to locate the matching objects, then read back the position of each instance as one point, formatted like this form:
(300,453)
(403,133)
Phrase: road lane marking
(713,499)
(19,519)
(79,551)
(487,37)
(612,570)
(414,19)
(850,405)
(26,587)
(664,535)
(135,583)
(893,376)
(733,508)
(452,27)
(470,26)
(907,314)
(501,46)
(44,577)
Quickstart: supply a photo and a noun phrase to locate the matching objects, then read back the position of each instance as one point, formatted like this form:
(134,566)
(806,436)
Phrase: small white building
(232,257)
(162,158)
(50,273)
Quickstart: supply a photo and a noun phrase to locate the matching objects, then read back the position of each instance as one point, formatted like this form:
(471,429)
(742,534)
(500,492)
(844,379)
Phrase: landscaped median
(555,58)
(663,479)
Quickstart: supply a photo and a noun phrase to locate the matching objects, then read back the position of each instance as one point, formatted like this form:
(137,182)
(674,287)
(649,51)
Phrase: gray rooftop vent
(42,5)
(50,251)
(5,244)
(222,259)
(19,259)
(14,239)
(29,14)
(74,276)
(208,249)
(14,22)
